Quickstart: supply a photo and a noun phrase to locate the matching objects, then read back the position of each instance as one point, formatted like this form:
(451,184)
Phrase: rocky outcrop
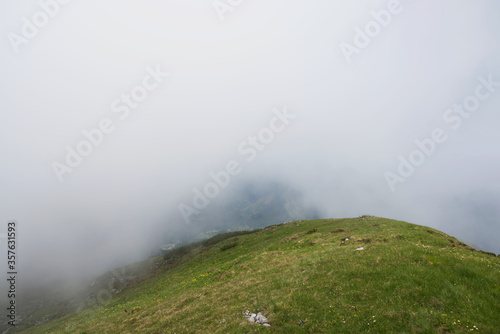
(258,318)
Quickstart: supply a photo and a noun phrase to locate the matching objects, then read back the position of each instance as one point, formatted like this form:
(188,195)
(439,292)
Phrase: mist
(117,115)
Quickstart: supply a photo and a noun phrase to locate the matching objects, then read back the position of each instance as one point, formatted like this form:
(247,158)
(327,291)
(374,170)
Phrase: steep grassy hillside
(309,277)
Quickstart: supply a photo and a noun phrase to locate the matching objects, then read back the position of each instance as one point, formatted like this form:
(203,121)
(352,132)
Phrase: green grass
(407,279)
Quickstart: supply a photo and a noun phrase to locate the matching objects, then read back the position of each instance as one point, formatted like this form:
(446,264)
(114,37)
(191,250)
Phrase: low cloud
(352,122)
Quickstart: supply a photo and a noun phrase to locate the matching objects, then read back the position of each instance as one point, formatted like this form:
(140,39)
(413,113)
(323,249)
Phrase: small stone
(252,317)
(260,318)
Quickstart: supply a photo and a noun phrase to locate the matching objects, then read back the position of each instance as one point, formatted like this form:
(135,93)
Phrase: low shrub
(228,246)
(311,231)
(221,237)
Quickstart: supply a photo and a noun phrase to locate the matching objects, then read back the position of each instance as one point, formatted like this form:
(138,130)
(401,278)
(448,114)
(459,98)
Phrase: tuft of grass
(224,236)
(228,246)
(311,231)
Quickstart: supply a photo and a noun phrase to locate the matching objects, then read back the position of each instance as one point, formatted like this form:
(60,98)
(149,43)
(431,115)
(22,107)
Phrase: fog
(300,93)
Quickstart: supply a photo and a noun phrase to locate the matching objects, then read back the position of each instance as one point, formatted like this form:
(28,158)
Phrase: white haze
(226,77)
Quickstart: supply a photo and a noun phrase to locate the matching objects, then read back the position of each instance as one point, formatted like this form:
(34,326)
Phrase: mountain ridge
(365,274)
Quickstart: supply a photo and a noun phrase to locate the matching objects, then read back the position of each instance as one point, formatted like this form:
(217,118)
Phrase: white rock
(260,318)
(360,248)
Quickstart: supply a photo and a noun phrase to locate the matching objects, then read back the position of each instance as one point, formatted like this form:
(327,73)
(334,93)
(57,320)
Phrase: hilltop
(357,275)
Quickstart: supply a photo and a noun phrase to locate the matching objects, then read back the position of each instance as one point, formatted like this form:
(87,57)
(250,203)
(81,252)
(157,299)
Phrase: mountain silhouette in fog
(253,205)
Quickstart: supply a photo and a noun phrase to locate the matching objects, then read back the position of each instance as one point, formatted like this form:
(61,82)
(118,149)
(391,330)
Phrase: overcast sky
(338,91)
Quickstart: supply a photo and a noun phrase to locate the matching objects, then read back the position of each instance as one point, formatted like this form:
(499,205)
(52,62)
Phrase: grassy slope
(408,279)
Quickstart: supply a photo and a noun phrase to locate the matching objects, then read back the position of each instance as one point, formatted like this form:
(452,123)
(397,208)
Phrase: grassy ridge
(300,275)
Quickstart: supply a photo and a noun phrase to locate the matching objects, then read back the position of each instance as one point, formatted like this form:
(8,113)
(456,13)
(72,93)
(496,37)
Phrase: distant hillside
(246,206)
(359,275)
